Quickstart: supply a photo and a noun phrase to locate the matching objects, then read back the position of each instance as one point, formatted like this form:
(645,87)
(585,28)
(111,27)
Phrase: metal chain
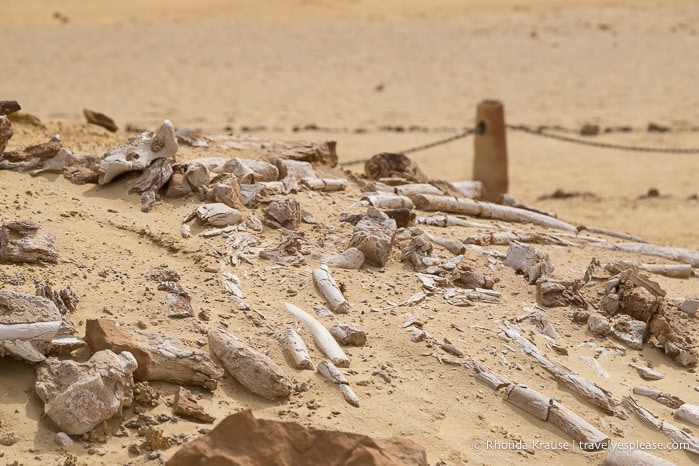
(429,145)
(605,145)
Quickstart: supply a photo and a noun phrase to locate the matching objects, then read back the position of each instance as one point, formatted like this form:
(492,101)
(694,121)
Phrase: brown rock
(178,186)
(41,151)
(24,241)
(242,440)
(159,357)
(388,165)
(100,119)
(6,132)
(186,405)
(283,212)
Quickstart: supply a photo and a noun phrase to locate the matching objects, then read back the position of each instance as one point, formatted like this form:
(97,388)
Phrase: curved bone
(139,152)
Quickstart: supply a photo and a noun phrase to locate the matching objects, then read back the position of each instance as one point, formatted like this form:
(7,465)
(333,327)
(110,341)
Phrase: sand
(345,66)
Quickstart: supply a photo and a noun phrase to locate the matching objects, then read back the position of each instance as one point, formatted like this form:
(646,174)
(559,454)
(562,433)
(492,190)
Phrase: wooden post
(490,161)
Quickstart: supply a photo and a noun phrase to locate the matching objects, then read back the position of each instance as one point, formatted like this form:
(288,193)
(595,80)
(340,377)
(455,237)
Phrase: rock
(159,357)
(346,334)
(100,119)
(254,370)
(6,132)
(63,440)
(8,439)
(162,273)
(226,189)
(25,241)
(34,155)
(629,331)
(178,186)
(283,212)
(254,223)
(559,293)
(533,263)
(374,236)
(252,195)
(80,396)
(79,169)
(8,107)
(690,306)
(146,395)
(598,324)
(186,405)
(177,299)
(589,130)
(465,276)
(259,442)
(388,165)
(139,152)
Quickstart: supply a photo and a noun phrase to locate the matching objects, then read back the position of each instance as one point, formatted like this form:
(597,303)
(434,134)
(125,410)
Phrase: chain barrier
(604,145)
(537,132)
(429,145)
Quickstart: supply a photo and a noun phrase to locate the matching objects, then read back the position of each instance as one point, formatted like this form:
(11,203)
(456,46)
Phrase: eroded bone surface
(27,325)
(138,152)
(160,357)
(80,396)
(374,235)
(25,241)
(218,214)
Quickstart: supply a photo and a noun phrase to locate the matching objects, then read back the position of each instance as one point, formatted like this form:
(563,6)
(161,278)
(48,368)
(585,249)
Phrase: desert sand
(352,68)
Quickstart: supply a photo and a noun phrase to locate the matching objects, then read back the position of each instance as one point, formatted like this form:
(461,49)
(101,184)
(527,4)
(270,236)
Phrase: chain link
(429,145)
(605,145)
(559,137)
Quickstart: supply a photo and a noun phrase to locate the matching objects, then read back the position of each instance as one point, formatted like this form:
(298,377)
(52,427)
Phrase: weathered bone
(388,201)
(250,171)
(295,348)
(149,183)
(373,236)
(321,336)
(80,396)
(352,258)
(139,152)
(328,370)
(487,210)
(346,334)
(25,241)
(159,357)
(533,263)
(328,287)
(688,413)
(254,370)
(627,457)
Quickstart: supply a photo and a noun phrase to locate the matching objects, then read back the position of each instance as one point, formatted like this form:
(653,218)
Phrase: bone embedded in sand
(139,152)
(27,325)
(325,184)
(80,396)
(409,190)
(532,262)
(646,372)
(587,436)
(388,201)
(326,284)
(351,259)
(348,335)
(296,349)
(160,357)
(328,370)
(684,440)
(658,395)
(643,414)
(322,337)
(252,369)
(688,413)
(462,205)
(24,241)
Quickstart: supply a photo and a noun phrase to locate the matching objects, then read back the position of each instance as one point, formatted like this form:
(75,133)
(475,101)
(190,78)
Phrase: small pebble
(63,440)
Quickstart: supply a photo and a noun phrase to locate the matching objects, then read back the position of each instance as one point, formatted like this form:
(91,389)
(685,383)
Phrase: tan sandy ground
(213,64)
